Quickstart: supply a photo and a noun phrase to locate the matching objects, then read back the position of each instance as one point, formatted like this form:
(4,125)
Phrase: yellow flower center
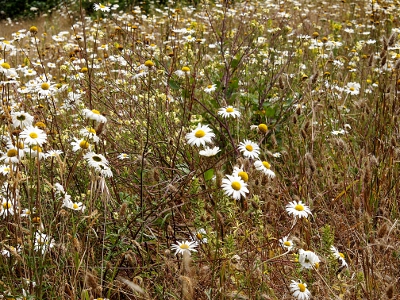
(91,130)
(148,63)
(102,6)
(75,206)
(95,111)
(200,133)
(7,205)
(352,89)
(209,86)
(12,153)
(341,254)
(184,246)
(5,66)
(84,144)
(37,149)
(263,128)
(40,124)
(316,265)
(45,86)
(299,207)
(33,135)
(33,29)
(244,176)
(302,287)
(229,110)
(199,236)
(7,169)
(266,164)
(249,148)
(186,69)
(287,244)
(236,185)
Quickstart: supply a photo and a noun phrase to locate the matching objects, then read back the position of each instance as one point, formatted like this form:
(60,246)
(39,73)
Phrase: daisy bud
(33,30)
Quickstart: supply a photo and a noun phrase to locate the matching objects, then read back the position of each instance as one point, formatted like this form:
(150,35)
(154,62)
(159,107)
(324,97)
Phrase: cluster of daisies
(27,138)
(234,185)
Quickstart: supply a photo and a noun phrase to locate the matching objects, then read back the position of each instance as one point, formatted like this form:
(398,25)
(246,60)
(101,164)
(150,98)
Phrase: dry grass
(326,85)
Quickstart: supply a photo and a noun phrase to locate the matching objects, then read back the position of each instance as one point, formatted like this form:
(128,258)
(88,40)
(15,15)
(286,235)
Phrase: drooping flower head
(94,114)
(299,290)
(308,259)
(264,167)
(286,243)
(339,256)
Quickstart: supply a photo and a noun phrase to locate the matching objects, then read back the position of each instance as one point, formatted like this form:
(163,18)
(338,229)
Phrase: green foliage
(26,8)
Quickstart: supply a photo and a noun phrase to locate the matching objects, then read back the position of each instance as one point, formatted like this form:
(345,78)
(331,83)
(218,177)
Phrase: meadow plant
(244,150)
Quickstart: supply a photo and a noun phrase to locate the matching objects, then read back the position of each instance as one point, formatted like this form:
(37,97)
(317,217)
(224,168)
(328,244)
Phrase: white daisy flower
(104,170)
(286,243)
(210,88)
(6,208)
(298,209)
(299,290)
(11,250)
(43,242)
(200,136)
(21,119)
(26,212)
(234,186)
(229,111)
(33,136)
(80,144)
(94,159)
(101,7)
(339,256)
(276,155)
(181,247)
(209,151)
(45,89)
(53,153)
(249,149)
(241,173)
(308,259)
(11,156)
(123,156)
(74,205)
(94,115)
(5,169)
(352,88)
(99,163)
(264,167)
(199,236)
(89,133)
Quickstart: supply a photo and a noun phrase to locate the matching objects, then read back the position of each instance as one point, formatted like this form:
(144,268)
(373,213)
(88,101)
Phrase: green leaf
(209,174)
(173,84)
